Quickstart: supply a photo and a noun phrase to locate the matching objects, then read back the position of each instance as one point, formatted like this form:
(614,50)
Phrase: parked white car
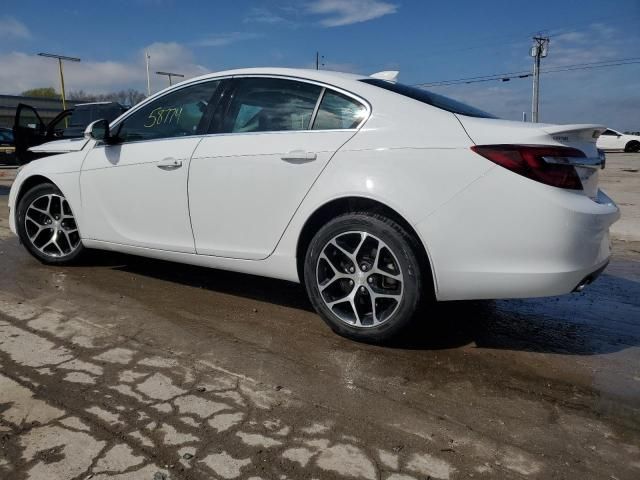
(376,195)
(612,140)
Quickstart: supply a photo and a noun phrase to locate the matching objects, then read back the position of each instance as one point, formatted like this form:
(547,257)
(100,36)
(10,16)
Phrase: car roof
(95,103)
(339,79)
(311,74)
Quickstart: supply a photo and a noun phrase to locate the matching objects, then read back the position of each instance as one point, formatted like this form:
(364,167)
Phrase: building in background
(48,108)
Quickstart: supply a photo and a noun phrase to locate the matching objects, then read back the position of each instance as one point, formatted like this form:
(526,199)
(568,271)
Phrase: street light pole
(64,100)
(170,75)
(60,58)
(147,57)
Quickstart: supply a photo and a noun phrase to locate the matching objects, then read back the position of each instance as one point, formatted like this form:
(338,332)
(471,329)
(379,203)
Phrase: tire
(632,147)
(352,260)
(46,226)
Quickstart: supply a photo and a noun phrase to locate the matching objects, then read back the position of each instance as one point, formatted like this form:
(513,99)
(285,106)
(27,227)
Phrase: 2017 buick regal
(376,195)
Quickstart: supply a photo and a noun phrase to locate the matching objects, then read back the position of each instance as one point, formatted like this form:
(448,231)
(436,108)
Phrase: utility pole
(319,60)
(170,75)
(539,50)
(147,57)
(60,58)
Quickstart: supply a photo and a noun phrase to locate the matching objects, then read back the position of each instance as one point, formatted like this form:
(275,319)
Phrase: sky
(427,41)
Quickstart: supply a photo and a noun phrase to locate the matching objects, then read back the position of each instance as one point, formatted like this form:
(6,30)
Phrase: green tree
(46,92)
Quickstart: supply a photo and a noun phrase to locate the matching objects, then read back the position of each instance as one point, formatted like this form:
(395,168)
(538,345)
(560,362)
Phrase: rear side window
(270,105)
(430,98)
(338,111)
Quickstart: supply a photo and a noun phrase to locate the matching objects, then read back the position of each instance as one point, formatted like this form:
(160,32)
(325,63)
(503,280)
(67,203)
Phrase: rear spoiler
(586,131)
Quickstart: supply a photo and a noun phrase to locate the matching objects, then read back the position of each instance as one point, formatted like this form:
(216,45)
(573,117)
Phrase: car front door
(134,188)
(610,140)
(272,139)
(28,130)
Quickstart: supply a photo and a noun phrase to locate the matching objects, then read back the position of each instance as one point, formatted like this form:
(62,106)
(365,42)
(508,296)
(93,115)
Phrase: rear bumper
(508,237)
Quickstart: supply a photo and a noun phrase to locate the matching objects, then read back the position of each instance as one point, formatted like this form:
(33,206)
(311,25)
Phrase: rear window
(80,117)
(430,98)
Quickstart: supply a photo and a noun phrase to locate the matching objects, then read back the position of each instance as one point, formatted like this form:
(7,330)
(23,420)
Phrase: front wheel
(364,277)
(47,227)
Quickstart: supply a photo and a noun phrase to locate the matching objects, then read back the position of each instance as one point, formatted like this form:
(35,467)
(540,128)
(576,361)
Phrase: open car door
(29,130)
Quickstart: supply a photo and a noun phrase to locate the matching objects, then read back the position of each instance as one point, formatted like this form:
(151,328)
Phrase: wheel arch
(631,144)
(28,184)
(353,204)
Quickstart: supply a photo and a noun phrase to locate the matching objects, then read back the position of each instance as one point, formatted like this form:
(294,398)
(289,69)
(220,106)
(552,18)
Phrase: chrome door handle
(299,156)
(169,164)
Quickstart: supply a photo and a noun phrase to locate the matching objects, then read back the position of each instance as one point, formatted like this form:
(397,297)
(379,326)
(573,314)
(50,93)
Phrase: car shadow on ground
(599,320)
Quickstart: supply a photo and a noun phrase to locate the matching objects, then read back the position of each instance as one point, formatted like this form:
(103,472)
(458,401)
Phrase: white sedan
(612,140)
(376,195)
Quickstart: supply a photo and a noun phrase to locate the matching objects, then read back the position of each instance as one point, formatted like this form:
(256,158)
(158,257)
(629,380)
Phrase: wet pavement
(128,368)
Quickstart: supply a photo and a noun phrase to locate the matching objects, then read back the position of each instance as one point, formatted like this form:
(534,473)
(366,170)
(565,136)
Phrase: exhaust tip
(582,286)
(589,279)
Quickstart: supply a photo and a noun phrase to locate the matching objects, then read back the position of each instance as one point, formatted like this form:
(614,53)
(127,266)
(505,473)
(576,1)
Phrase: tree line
(127,97)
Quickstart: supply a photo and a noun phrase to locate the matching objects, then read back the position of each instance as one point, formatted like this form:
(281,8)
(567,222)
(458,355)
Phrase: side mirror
(98,130)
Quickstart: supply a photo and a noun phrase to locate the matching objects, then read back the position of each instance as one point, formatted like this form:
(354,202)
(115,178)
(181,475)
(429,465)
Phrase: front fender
(62,170)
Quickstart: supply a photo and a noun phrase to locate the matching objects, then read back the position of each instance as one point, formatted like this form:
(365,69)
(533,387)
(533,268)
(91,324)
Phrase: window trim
(225,104)
(312,120)
(325,86)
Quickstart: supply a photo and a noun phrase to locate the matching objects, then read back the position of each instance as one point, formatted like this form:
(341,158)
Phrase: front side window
(176,114)
(29,118)
(338,111)
(270,105)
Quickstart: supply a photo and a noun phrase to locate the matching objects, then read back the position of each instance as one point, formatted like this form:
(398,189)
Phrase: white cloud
(10,28)
(23,71)
(347,12)
(594,44)
(263,15)
(222,39)
(608,96)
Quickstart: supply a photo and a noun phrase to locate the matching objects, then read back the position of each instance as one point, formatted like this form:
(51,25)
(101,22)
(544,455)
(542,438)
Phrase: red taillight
(529,161)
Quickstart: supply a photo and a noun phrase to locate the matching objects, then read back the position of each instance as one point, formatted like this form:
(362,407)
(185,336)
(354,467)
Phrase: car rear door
(271,140)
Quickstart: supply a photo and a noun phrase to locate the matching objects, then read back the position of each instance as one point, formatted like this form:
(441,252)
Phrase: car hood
(61,146)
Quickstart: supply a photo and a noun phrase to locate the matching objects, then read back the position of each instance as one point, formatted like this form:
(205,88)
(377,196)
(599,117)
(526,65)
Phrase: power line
(518,39)
(505,76)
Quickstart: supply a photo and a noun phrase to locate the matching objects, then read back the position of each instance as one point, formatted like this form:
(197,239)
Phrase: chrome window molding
(324,86)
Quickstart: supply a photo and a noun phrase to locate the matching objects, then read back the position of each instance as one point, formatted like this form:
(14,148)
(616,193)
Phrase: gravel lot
(128,368)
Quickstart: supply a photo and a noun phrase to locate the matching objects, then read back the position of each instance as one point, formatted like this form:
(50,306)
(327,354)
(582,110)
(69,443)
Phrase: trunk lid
(489,131)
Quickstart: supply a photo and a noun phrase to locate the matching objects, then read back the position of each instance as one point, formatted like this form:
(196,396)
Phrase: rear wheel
(363,276)
(47,227)
(633,146)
